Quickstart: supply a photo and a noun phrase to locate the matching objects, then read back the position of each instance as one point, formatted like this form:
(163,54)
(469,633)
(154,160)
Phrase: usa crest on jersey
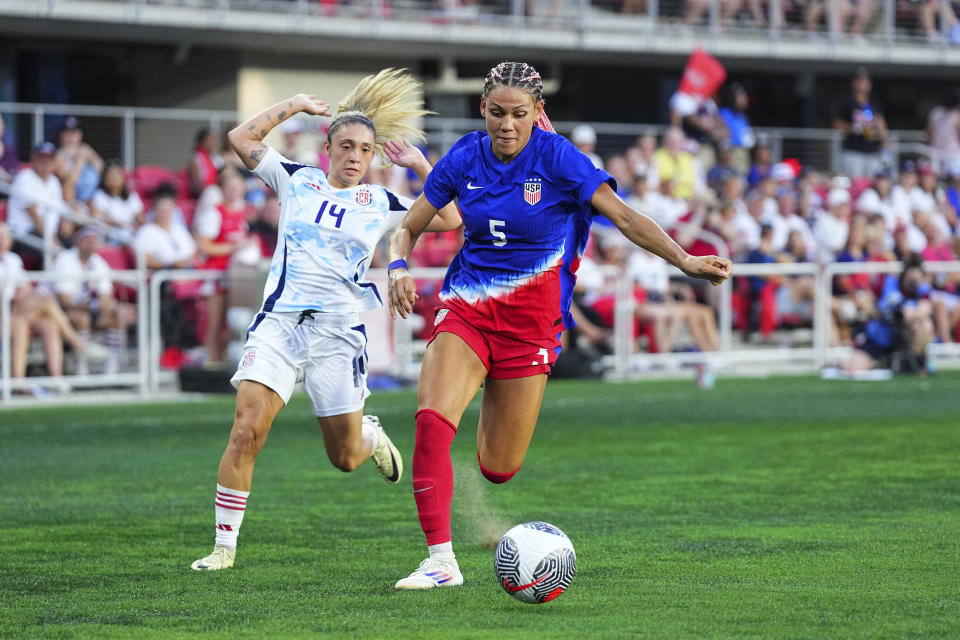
(532,189)
(364,197)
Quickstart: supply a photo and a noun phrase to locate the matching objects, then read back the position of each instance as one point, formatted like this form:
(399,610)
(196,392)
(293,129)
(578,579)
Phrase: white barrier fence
(404,352)
(135,380)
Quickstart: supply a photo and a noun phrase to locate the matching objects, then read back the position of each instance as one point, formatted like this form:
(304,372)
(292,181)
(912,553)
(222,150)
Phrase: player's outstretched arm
(644,232)
(403,290)
(404,154)
(247,138)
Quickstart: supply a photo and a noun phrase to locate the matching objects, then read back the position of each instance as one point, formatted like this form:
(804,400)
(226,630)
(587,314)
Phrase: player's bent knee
(346,461)
(496,477)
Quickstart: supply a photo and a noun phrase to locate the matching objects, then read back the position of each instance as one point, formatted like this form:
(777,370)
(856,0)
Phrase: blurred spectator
(760,13)
(166,190)
(293,147)
(900,327)
(165,242)
(222,235)
(928,197)
(115,203)
(878,199)
(742,138)
(832,226)
(723,169)
(585,138)
(9,163)
(865,127)
(700,121)
(943,133)
(267,223)
(206,162)
(676,165)
(36,200)
(78,165)
(665,210)
(618,168)
(695,9)
(799,233)
(859,10)
(762,163)
(640,158)
(928,11)
(89,303)
(31,312)
(666,309)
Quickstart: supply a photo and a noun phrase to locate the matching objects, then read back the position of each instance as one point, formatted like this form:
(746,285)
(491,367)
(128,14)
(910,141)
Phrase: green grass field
(781,508)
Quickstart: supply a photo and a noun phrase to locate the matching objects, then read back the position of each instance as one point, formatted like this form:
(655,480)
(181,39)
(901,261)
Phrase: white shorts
(326,352)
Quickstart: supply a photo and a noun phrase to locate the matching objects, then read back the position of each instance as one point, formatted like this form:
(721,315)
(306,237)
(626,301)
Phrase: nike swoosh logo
(521,587)
(393,461)
(419,490)
(471,186)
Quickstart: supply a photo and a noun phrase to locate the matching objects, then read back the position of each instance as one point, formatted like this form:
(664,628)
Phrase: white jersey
(326,239)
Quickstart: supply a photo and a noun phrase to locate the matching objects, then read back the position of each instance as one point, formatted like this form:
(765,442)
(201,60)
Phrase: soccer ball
(535,562)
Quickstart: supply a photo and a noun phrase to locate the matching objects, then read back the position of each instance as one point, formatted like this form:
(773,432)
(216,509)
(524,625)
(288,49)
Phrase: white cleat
(433,573)
(221,558)
(386,457)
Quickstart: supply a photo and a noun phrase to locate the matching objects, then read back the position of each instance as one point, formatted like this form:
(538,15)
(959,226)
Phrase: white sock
(369,436)
(442,552)
(83,367)
(229,505)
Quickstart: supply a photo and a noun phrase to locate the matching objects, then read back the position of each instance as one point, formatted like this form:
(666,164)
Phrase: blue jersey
(526,224)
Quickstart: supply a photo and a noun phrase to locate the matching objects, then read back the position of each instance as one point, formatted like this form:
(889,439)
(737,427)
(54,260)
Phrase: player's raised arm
(404,154)
(403,290)
(644,232)
(247,137)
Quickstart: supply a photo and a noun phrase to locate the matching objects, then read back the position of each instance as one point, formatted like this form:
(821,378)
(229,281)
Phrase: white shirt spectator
(796,223)
(29,189)
(120,212)
(893,212)
(11,272)
(773,218)
(747,228)
(649,271)
(831,234)
(665,211)
(901,201)
(82,291)
(166,247)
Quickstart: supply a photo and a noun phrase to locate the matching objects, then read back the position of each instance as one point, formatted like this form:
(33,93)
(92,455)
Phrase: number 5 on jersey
(501,237)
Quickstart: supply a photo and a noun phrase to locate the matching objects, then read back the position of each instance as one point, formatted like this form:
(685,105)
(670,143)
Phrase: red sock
(494,476)
(433,474)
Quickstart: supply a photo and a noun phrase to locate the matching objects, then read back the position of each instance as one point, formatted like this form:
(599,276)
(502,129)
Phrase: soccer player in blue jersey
(527,197)
(308,328)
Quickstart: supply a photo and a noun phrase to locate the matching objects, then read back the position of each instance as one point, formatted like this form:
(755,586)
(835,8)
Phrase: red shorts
(504,357)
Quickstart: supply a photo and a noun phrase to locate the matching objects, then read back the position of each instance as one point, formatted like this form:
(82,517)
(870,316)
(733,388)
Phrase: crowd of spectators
(707,179)
(857,19)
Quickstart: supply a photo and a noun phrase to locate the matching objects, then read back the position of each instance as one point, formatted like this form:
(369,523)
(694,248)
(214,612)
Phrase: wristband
(397,264)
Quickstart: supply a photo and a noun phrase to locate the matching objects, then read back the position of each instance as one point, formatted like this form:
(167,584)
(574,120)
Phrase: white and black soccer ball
(535,562)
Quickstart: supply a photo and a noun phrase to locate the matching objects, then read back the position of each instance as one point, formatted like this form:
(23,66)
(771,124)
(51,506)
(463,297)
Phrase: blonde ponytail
(386,102)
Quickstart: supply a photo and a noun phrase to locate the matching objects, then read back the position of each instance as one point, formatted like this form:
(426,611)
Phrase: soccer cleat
(221,558)
(386,457)
(433,573)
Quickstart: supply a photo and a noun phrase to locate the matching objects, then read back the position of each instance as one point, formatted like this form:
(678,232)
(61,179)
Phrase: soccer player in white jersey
(308,326)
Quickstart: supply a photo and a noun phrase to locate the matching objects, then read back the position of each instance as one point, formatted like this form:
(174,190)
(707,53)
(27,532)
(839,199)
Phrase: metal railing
(115,131)
(625,363)
(135,380)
